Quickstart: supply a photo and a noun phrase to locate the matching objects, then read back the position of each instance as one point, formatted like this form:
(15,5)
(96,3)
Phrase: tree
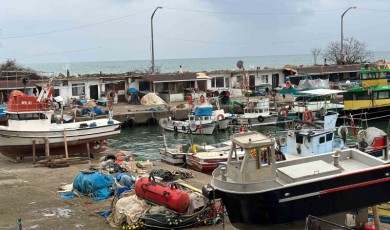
(315,52)
(354,52)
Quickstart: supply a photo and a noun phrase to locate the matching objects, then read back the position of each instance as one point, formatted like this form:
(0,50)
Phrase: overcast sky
(111,30)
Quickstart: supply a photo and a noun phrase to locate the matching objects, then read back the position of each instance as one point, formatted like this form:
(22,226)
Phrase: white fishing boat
(30,121)
(260,193)
(256,113)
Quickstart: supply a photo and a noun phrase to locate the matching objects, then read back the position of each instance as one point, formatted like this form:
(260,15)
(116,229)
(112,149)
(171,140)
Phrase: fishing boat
(260,193)
(255,113)
(316,100)
(30,126)
(199,122)
(372,98)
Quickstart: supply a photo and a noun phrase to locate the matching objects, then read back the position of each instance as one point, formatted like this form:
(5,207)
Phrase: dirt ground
(30,193)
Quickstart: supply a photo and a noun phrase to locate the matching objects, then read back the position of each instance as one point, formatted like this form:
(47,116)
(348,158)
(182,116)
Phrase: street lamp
(151,26)
(342,35)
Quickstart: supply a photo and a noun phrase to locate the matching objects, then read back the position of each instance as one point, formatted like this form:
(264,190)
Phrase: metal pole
(151,27)
(342,35)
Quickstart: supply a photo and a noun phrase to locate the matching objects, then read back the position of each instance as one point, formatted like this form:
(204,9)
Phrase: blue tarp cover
(94,184)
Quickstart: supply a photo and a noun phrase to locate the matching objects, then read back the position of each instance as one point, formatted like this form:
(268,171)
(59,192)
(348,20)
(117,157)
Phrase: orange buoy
(283,110)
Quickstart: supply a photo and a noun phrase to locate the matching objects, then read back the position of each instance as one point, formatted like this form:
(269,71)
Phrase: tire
(193,127)
(260,119)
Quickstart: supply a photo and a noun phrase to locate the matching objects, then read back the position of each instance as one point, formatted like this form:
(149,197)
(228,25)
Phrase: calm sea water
(172,65)
(147,140)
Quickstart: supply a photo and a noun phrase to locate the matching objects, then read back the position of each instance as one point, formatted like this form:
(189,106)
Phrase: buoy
(308,116)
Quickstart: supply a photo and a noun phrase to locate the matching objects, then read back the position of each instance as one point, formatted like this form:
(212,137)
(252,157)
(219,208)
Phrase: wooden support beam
(66,145)
(33,145)
(89,152)
(47,147)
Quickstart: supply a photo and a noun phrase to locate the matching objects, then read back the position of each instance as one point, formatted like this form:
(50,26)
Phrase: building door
(94,92)
(252,83)
(275,80)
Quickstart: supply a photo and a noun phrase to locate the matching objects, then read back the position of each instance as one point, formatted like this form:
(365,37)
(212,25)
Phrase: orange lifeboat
(168,196)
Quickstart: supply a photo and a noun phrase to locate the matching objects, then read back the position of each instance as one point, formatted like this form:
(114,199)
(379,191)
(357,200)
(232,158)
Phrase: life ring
(202,99)
(190,100)
(193,127)
(260,118)
(308,116)
(220,117)
(283,110)
(288,84)
(362,135)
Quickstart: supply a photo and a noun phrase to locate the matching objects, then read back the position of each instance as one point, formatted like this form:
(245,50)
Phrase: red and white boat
(30,119)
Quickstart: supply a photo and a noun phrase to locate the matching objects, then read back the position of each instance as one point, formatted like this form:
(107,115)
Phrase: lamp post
(151,26)
(342,35)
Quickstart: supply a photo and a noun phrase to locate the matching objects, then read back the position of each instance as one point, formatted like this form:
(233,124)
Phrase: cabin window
(348,96)
(299,139)
(383,94)
(329,137)
(27,116)
(322,139)
(362,96)
(78,89)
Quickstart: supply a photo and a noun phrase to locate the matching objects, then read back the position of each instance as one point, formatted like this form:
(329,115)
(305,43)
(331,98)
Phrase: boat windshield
(26,116)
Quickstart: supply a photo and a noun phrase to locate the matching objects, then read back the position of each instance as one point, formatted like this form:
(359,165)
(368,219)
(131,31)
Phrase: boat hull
(207,129)
(203,165)
(20,144)
(276,208)
(172,157)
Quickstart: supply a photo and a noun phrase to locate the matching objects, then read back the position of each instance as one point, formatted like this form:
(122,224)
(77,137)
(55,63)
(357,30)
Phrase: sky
(33,31)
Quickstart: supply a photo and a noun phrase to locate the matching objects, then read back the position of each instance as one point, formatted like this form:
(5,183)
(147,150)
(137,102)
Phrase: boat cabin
(258,106)
(259,160)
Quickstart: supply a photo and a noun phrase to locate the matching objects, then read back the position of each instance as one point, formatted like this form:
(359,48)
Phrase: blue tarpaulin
(132,90)
(95,184)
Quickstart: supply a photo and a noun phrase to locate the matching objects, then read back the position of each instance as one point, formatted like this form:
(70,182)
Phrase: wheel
(260,119)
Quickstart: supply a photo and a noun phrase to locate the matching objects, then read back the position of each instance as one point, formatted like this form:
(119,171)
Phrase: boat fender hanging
(342,131)
(220,117)
(362,135)
(283,141)
(260,118)
(202,99)
(288,84)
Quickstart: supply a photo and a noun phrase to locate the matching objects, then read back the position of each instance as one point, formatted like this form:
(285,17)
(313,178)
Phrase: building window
(144,86)
(165,86)
(219,82)
(264,78)
(56,92)
(227,84)
(78,89)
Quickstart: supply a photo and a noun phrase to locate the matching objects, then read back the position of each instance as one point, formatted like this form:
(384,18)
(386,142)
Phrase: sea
(191,65)
(147,140)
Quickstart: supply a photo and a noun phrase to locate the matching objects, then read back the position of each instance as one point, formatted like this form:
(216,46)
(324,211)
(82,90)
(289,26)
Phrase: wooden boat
(29,120)
(276,194)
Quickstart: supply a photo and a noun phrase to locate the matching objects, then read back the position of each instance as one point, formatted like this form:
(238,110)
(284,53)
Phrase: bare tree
(354,52)
(315,52)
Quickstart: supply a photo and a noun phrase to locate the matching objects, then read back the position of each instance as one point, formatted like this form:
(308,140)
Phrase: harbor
(194,115)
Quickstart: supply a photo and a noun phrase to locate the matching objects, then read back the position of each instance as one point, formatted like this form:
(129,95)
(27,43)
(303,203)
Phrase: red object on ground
(169,196)
(368,227)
